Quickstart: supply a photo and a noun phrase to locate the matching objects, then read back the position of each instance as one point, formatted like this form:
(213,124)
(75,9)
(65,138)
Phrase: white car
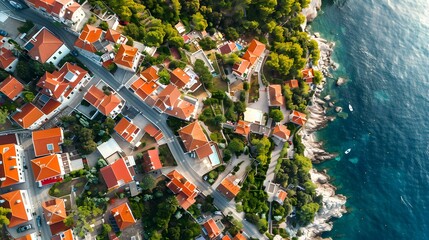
(16,5)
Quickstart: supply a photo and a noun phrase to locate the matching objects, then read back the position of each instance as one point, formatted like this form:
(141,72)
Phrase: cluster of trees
(276,115)
(204,74)
(3,216)
(262,149)
(81,217)
(207,44)
(29,70)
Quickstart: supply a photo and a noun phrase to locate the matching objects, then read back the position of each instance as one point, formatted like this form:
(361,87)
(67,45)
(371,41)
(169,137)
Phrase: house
(127,130)
(115,37)
(180,27)
(298,118)
(151,161)
(308,75)
(185,191)
(11,88)
(68,12)
(116,175)
(242,128)
(66,235)
(150,74)
(195,141)
(31,236)
(227,48)
(241,69)
(49,169)
(167,98)
(229,187)
(8,60)
(107,102)
(127,58)
(253,115)
(194,82)
(154,132)
(46,48)
(91,43)
(179,78)
(29,117)
(292,83)
(61,85)
(280,196)
(123,216)
(211,229)
(275,97)
(254,51)
(54,212)
(11,165)
(169,101)
(147,83)
(281,132)
(19,203)
(48,141)
(239,236)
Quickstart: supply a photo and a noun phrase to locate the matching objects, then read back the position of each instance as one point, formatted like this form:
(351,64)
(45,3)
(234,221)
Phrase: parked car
(3,33)
(74,53)
(24,228)
(16,5)
(39,221)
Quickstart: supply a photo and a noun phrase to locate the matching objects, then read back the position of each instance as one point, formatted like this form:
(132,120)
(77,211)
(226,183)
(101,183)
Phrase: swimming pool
(239,46)
(214,157)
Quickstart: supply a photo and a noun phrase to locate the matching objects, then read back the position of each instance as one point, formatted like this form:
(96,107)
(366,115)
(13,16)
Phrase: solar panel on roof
(43,99)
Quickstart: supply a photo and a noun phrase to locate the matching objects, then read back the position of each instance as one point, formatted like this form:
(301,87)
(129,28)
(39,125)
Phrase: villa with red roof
(123,216)
(29,116)
(211,229)
(49,169)
(46,48)
(68,12)
(19,203)
(153,132)
(280,196)
(298,118)
(227,48)
(242,128)
(11,165)
(241,69)
(195,141)
(47,141)
(254,51)
(229,187)
(185,191)
(179,78)
(127,58)
(116,175)
(151,161)
(127,130)
(115,37)
(292,83)
(281,132)
(146,84)
(54,212)
(308,75)
(150,74)
(8,60)
(275,97)
(109,103)
(11,88)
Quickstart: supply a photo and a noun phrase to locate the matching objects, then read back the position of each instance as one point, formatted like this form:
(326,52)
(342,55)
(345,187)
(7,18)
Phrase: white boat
(350,108)
(348,151)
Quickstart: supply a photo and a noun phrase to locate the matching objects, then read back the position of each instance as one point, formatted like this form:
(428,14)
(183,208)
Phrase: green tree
(104,26)
(207,44)
(205,76)
(176,41)
(307,212)
(28,96)
(4,220)
(236,146)
(148,182)
(199,22)
(276,115)
(164,76)
(3,115)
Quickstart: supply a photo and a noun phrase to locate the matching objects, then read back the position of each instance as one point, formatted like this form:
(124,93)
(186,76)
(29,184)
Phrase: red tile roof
(212,229)
(127,130)
(50,106)
(281,196)
(116,174)
(151,160)
(88,37)
(241,67)
(47,141)
(54,211)
(71,9)
(47,167)
(45,4)
(185,190)
(179,78)
(228,188)
(153,132)
(275,95)
(6,58)
(149,74)
(281,132)
(308,75)
(193,136)
(254,51)
(239,236)
(242,128)
(123,216)
(66,235)
(227,48)
(112,35)
(169,95)
(45,44)
(298,118)
(293,83)
(9,171)
(143,89)
(28,115)
(15,201)
(104,103)
(204,151)
(58,6)
(125,56)
(11,87)
(182,109)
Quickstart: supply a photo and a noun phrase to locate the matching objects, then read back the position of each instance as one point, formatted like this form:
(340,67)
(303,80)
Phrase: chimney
(18,110)
(13,167)
(12,157)
(2,179)
(116,214)
(18,201)
(20,120)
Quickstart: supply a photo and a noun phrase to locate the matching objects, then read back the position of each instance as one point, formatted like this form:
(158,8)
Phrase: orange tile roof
(143,88)
(15,201)
(307,75)
(239,236)
(123,216)
(28,115)
(179,78)
(228,188)
(228,47)
(45,4)
(204,151)
(104,103)
(241,67)
(9,171)
(88,37)
(281,131)
(242,128)
(149,74)
(66,235)
(71,9)
(11,87)
(27,237)
(275,95)
(45,44)
(281,196)
(113,36)
(193,136)
(46,167)
(169,95)
(153,132)
(292,83)
(54,210)
(254,51)
(151,160)
(57,83)
(6,58)
(298,118)
(50,106)
(58,6)
(182,109)
(116,174)
(47,141)
(226,237)
(125,56)
(127,130)
(212,229)
(185,190)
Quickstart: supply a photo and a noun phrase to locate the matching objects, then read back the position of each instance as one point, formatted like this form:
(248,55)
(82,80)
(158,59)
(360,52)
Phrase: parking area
(10,25)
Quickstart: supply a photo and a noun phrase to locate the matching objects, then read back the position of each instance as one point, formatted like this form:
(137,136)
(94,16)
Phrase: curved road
(182,159)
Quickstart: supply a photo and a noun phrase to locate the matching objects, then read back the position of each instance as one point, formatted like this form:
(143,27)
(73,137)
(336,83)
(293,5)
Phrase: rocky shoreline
(333,205)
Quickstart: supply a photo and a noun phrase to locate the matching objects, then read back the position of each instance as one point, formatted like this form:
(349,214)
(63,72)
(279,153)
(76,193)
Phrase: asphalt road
(182,159)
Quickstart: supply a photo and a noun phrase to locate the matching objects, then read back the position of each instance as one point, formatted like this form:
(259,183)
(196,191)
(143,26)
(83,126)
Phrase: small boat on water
(348,151)
(350,108)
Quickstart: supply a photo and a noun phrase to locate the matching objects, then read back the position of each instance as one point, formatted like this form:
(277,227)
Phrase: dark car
(24,228)
(39,221)
(16,5)
(3,33)
(74,53)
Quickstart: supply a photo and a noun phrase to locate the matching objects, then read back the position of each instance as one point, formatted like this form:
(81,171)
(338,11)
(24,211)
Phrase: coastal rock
(331,104)
(338,109)
(327,97)
(310,12)
(341,81)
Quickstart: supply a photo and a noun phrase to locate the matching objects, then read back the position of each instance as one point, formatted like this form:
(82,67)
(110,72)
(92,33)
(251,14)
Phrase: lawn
(254,89)
(166,157)
(64,188)
(220,84)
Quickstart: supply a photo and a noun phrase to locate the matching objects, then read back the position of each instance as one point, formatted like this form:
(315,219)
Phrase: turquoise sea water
(382,47)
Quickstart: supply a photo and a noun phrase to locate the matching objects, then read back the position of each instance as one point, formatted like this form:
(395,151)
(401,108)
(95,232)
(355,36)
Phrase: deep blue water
(382,47)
